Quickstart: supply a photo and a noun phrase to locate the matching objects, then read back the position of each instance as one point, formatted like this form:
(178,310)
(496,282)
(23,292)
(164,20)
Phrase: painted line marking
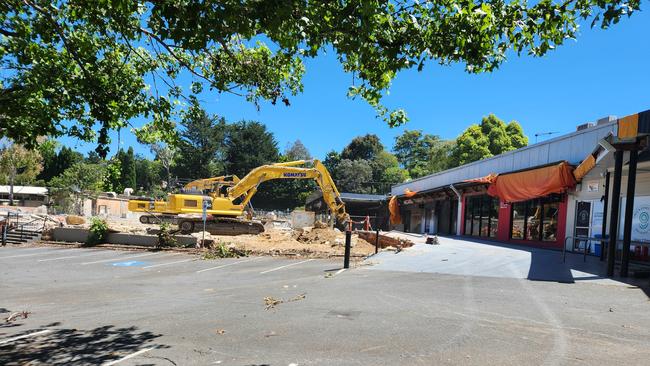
(118,258)
(166,264)
(288,265)
(73,256)
(226,265)
(129,356)
(31,255)
(26,336)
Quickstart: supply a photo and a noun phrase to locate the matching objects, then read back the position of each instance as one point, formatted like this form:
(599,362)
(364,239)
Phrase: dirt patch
(312,243)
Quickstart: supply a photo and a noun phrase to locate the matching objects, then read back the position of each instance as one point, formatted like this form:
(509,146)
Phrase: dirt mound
(318,236)
(312,243)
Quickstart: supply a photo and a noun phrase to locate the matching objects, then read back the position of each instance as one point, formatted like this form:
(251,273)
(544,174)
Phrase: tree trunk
(12,178)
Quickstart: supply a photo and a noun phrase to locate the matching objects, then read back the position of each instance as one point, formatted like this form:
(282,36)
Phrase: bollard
(348,243)
(377,241)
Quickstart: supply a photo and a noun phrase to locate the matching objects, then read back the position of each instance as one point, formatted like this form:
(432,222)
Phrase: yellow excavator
(226,198)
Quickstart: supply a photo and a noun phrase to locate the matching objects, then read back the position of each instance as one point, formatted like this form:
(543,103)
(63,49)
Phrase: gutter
(458,210)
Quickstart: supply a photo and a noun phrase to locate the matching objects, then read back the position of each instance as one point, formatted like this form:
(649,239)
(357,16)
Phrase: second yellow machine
(226,198)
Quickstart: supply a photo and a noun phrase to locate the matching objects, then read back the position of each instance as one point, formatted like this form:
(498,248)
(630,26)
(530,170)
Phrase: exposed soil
(321,243)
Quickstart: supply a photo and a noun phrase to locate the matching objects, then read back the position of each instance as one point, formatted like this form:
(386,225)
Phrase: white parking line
(166,264)
(226,265)
(129,356)
(74,256)
(25,336)
(32,254)
(118,258)
(288,265)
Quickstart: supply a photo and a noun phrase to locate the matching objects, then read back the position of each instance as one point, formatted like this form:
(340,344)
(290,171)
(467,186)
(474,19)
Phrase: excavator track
(214,225)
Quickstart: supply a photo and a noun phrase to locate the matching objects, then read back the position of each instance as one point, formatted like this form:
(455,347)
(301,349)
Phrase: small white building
(25,196)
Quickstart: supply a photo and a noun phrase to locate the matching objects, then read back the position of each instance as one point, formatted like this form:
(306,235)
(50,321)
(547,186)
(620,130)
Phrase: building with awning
(543,195)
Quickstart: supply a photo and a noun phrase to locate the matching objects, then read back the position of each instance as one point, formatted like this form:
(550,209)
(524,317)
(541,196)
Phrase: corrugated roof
(345,196)
(41,191)
(572,147)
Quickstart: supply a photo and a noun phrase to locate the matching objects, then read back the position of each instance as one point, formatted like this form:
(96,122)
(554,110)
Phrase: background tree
(386,172)
(363,147)
(353,176)
(73,62)
(248,145)
(332,159)
(18,165)
(421,154)
(489,138)
(297,151)
(54,163)
(165,155)
(200,146)
(127,169)
(148,176)
(76,183)
(368,151)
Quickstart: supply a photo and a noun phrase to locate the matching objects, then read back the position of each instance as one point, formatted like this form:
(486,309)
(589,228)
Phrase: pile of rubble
(312,242)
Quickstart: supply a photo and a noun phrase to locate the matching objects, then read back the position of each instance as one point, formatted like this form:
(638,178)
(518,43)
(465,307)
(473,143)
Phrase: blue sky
(603,72)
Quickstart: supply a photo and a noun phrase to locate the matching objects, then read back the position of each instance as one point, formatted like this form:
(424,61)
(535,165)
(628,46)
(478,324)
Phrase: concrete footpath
(491,259)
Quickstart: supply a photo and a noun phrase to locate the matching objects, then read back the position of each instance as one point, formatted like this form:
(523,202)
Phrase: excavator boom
(249,184)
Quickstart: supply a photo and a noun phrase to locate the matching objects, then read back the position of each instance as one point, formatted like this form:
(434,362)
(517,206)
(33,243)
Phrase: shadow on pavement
(76,347)
(548,265)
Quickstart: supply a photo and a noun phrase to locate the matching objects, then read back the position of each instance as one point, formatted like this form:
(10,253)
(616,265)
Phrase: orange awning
(533,183)
(584,167)
(488,179)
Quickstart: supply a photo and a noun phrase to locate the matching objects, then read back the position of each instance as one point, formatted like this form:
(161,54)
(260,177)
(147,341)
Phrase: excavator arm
(248,185)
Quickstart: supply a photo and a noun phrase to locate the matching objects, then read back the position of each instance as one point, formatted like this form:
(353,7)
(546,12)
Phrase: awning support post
(603,233)
(629,210)
(613,221)
(458,210)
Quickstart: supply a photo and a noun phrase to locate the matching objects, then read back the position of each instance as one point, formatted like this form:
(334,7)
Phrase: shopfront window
(535,220)
(518,220)
(549,229)
(494,217)
(481,216)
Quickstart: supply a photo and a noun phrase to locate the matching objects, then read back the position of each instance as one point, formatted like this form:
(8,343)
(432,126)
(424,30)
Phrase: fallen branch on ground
(19,314)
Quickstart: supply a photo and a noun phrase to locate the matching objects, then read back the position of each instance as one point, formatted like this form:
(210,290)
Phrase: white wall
(642,188)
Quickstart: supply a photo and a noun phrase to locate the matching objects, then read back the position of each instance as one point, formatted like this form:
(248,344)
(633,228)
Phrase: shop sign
(593,186)
(641,223)
(640,218)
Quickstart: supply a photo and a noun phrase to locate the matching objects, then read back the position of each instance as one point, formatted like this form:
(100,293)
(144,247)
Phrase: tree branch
(58,29)
(174,55)
(8,33)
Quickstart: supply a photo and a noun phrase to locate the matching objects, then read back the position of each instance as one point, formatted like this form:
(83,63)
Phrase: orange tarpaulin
(409,193)
(584,167)
(393,208)
(488,179)
(533,183)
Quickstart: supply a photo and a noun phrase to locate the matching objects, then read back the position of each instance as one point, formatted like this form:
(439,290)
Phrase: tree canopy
(79,70)
(201,143)
(19,165)
(421,154)
(489,138)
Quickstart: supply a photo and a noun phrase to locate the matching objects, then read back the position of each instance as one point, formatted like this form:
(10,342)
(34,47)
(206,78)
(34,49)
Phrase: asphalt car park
(100,306)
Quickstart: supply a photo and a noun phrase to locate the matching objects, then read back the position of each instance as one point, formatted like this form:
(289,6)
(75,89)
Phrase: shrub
(223,251)
(165,238)
(98,231)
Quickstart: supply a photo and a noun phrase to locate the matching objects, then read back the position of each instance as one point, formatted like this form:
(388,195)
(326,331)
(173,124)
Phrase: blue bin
(597,249)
